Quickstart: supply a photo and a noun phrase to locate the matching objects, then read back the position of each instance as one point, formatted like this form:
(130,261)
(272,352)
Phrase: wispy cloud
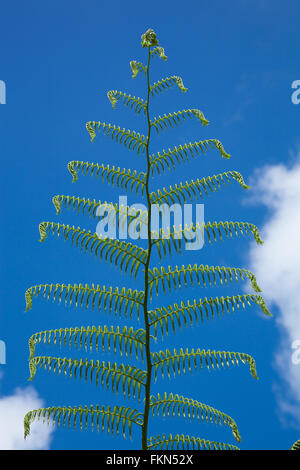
(12,411)
(277,266)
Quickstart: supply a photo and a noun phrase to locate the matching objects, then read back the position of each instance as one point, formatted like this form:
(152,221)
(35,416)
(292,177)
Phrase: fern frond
(185,442)
(165,83)
(296,445)
(131,139)
(166,120)
(182,153)
(158,51)
(136,67)
(192,188)
(173,239)
(124,340)
(130,380)
(109,249)
(93,416)
(125,178)
(177,405)
(243,228)
(203,274)
(178,360)
(111,299)
(203,309)
(95,209)
(103,373)
(137,104)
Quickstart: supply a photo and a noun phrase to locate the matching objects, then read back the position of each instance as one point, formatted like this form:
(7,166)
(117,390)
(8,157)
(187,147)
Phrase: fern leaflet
(93,416)
(125,178)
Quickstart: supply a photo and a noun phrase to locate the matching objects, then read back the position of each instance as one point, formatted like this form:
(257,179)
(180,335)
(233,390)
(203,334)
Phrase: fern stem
(147,326)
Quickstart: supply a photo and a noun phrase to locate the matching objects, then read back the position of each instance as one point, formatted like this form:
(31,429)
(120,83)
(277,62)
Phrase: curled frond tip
(149,38)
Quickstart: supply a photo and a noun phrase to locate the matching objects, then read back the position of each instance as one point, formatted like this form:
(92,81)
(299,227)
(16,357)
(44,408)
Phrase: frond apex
(149,38)
(57,203)
(71,168)
(160,52)
(136,67)
(200,116)
(28,299)
(43,231)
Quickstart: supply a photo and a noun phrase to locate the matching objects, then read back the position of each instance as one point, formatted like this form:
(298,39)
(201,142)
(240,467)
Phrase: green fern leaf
(111,299)
(131,139)
(243,228)
(193,188)
(204,275)
(124,340)
(126,215)
(296,445)
(182,153)
(166,83)
(103,373)
(111,417)
(178,360)
(125,178)
(136,67)
(177,405)
(137,104)
(166,120)
(158,51)
(185,442)
(173,239)
(109,249)
(179,315)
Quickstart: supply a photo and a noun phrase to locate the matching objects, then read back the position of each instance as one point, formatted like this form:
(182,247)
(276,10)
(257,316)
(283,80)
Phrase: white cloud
(276,265)
(12,411)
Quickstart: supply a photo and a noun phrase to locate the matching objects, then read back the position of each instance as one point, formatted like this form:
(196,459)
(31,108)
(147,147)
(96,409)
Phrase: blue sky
(238,60)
